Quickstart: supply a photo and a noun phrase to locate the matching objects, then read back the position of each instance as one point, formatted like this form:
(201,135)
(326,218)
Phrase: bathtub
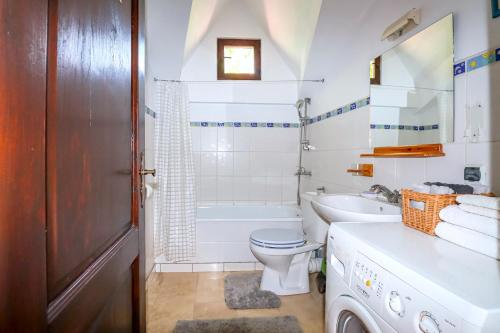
(222,232)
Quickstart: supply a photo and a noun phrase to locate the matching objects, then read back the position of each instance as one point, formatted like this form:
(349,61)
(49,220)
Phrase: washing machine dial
(396,304)
(428,324)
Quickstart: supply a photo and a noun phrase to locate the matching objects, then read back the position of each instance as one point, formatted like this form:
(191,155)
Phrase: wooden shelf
(419,151)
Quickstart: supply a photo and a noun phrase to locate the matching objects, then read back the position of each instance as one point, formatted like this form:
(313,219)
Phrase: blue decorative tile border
(405,127)
(477,61)
(341,110)
(242,124)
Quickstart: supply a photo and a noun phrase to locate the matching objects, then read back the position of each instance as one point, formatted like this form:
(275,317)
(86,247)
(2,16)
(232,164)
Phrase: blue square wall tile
(497,52)
(353,106)
(459,68)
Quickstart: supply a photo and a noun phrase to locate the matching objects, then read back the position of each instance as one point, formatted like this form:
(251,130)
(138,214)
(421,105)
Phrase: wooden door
(23,51)
(93,243)
(71,228)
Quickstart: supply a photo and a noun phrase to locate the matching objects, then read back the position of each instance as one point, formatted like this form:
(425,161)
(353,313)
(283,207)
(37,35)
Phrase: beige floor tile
(213,310)
(258,313)
(210,288)
(178,296)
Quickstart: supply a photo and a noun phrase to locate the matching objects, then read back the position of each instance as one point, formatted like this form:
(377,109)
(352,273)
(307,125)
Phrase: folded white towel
(454,215)
(480,201)
(493,213)
(479,188)
(469,239)
(421,188)
(435,189)
(432,189)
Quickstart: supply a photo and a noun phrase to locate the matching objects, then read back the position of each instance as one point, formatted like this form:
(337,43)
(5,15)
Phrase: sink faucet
(391,196)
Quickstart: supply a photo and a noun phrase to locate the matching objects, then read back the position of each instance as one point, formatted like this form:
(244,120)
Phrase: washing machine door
(349,316)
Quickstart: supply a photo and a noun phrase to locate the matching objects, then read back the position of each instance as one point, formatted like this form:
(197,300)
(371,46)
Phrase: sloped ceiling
(290,25)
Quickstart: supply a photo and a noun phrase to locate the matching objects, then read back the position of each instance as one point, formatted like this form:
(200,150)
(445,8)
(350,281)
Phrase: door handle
(143,173)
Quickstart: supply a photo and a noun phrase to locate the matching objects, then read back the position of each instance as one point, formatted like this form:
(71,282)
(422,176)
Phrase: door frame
(138,124)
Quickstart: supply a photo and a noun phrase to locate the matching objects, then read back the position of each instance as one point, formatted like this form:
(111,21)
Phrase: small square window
(238,59)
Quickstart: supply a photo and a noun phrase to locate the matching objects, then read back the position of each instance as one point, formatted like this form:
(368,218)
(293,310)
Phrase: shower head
(299,105)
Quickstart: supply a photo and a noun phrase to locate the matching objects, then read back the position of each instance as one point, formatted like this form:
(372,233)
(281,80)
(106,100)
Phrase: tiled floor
(174,296)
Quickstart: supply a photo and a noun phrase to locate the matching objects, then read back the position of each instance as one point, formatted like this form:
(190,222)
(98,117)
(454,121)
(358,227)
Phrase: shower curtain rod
(242,81)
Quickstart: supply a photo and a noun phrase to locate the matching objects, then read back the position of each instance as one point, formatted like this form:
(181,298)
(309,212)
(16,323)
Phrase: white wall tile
(176,268)
(274,164)
(208,163)
(239,266)
(257,189)
(242,163)
(208,138)
(241,188)
(273,189)
(243,139)
(448,169)
(289,189)
(225,139)
(197,163)
(289,163)
(216,267)
(410,171)
(258,163)
(224,188)
(259,139)
(196,138)
(224,163)
(208,188)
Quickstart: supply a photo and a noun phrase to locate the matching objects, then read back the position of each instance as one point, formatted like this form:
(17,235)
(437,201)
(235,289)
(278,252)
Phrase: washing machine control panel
(368,281)
(398,303)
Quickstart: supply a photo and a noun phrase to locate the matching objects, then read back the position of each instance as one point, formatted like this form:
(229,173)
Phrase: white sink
(354,208)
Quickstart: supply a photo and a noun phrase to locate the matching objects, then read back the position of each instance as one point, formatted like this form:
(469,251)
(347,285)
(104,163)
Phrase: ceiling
(290,25)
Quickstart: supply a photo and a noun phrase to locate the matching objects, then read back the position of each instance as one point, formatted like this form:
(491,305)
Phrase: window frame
(377,79)
(222,42)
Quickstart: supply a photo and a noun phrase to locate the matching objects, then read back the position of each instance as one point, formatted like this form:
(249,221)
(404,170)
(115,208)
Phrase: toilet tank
(315,228)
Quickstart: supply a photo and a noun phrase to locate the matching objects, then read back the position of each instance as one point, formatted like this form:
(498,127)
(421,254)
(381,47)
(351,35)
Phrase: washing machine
(385,278)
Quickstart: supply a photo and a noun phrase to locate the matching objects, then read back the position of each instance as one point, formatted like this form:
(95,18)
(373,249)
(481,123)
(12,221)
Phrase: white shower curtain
(174,199)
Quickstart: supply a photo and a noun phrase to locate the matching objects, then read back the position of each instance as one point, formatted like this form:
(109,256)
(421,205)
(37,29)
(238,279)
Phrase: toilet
(285,253)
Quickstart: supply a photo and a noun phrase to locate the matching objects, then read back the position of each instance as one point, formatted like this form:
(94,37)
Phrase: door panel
(99,298)
(23,40)
(89,152)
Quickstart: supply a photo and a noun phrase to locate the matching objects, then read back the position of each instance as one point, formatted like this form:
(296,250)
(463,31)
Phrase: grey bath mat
(285,324)
(241,291)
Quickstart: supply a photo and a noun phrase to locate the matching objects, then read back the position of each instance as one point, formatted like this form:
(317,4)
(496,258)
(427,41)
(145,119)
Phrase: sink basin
(354,208)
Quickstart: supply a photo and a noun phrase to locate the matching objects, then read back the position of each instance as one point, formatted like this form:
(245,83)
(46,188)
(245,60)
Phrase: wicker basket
(427,218)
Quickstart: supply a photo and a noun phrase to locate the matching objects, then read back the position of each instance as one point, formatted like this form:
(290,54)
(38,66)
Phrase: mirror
(411,90)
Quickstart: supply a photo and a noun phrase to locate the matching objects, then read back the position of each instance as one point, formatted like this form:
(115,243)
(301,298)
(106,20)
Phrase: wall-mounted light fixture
(407,22)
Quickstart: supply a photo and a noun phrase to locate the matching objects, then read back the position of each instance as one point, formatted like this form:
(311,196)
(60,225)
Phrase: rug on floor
(242,291)
(283,324)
